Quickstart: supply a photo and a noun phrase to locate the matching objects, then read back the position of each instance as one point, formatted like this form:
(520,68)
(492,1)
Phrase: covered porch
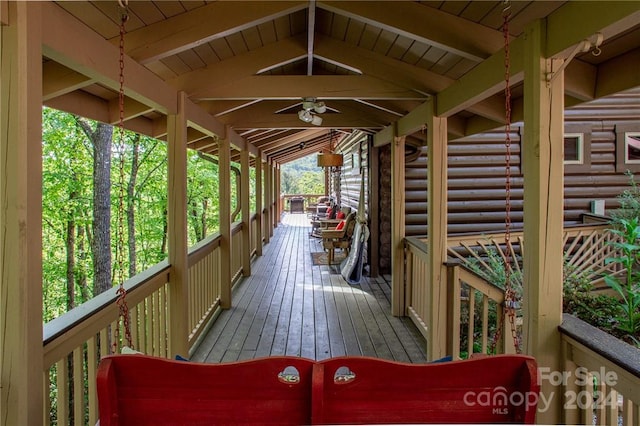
(291,306)
(68,59)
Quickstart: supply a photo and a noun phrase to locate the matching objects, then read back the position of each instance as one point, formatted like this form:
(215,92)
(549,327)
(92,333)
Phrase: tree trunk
(165,230)
(71,242)
(101,247)
(81,272)
(131,187)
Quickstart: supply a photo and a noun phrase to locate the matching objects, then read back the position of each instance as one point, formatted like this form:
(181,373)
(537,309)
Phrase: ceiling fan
(310,108)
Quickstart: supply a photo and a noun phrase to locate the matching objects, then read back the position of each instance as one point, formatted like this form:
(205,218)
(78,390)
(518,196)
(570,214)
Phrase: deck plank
(289,306)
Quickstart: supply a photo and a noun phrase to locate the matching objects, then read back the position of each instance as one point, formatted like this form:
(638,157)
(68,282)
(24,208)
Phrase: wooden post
(543,214)
(276,197)
(267,202)
(21,365)
(224,186)
(246,213)
(177,230)
(398,307)
(259,204)
(374,213)
(437,231)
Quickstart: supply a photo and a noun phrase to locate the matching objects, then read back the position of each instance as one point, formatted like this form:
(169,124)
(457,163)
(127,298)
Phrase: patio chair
(339,237)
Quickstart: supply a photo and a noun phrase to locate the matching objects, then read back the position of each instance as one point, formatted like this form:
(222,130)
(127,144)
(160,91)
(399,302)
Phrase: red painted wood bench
(142,390)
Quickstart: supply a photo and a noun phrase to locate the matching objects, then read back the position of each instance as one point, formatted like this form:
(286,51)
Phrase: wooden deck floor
(288,306)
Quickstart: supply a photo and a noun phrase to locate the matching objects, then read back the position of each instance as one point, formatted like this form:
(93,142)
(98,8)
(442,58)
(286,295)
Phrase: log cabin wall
(477,167)
(355,169)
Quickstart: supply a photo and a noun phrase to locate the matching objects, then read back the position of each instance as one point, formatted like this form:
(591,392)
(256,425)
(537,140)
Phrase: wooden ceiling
(250,63)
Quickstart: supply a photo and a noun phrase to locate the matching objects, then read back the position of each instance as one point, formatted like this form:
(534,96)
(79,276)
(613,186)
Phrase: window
(632,147)
(628,147)
(573,148)
(577,148)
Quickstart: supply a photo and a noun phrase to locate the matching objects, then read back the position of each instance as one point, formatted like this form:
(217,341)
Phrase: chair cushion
(340,215)
(340,225)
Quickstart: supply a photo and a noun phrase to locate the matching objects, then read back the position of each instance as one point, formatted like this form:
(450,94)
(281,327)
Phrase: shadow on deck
(289,306)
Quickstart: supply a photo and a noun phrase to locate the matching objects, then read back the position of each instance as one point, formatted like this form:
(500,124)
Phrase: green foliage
(579,300)
(627,288)
(302,176)
(492,268)
(67,200)
(629,201)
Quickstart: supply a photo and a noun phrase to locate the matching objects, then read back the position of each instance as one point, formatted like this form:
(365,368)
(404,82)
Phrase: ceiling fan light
(319,107)
(305,116)
(316,120)
(308,104)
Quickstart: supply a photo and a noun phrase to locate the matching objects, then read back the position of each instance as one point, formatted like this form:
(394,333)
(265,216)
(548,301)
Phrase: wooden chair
(339,238)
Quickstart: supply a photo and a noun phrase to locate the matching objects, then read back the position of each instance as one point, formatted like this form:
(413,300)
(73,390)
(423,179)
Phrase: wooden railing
(309,200)
(470,291)
(480,314)
(75,342)
(601,378)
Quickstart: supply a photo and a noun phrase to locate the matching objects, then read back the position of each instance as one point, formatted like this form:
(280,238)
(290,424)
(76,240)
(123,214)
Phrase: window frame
(622,161)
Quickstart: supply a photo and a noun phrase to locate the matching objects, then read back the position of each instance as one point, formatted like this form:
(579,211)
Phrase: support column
(21,368)
(437,231)
(276,191)
(267,202)
(246,213)
(259,204)
(374,213)
(177,230)
(543,214)
(398,307)
(224,187)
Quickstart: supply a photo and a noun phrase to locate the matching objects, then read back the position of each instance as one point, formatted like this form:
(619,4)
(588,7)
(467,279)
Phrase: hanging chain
(121,292)
(510,302)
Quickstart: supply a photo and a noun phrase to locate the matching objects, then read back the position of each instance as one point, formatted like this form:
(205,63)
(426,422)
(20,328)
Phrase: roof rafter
(427,25)
(202,25)
(317,86)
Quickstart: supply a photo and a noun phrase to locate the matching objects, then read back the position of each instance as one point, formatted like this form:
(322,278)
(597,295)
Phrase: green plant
(628,287)
(629,201)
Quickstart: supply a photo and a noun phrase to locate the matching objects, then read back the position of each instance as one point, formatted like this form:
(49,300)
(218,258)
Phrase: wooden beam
(238,67)
(132,109)
(291,121)
(380,66)
(21,352)
(245,209)
(4,12)
(424,24)
(398,297)
(543,175)
(384,136)
(483,81)
(610,18)
(202,25)
(437,232)
(311,31)
(72,44)
(259,203)
(487,78)
(59,80)
(299,86)
(618,74)
(267,201)
(224,193)
(296,138)
(580,80)
(177,230)
(82,104)
(199,119)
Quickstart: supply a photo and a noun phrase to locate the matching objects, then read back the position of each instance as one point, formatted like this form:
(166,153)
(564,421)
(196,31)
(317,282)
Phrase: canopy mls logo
(500,400)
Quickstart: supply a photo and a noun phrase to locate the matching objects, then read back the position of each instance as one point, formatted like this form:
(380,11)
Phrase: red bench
(142,390)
